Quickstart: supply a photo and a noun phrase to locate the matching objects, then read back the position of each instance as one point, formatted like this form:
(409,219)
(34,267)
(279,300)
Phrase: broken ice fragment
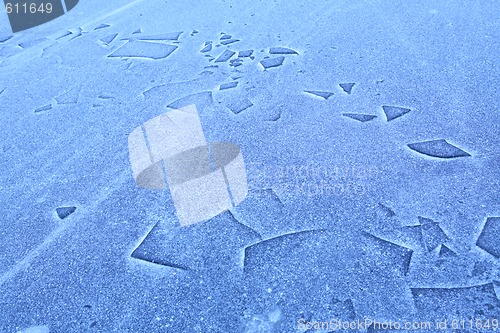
(201,99)
(446,252)
(140,49)
(273,62)
(433,236)
(168,36)
(324,94)
(393,112)
(44,108)
(245,53)
(240,105)
(438,148)
(69,97)
(225,56)
(225,37)
(229,41)
(5,38)
(360,117)
(281,50)
(489,239)
(108,39)
(228,85)
(347,87)
(101,26)
(207,48)
(64,212)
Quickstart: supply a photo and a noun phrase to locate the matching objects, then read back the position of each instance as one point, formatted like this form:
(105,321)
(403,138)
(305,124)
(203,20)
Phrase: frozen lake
(369,132)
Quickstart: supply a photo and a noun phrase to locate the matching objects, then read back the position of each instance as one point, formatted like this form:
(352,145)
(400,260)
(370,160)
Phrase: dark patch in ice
(230,41)
(324,94)
(108,39)
(281,50)
(393,112)
(226,37)
(3,39)
(101,26)
(228,85)
(32,43)
(225,56)
(64,212)
(44,108)
(347,87)
(433,235)
(240,105)
(200,99)
(245,53)
(209,245)
(194,32)
(69,97)
(273,62)
(359,116)
(138,31)
(140,49)
(446,252)
(438,148)
(462,302)
(489,239)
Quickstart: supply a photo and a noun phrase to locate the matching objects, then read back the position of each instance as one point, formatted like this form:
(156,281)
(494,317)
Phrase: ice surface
(356,207)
